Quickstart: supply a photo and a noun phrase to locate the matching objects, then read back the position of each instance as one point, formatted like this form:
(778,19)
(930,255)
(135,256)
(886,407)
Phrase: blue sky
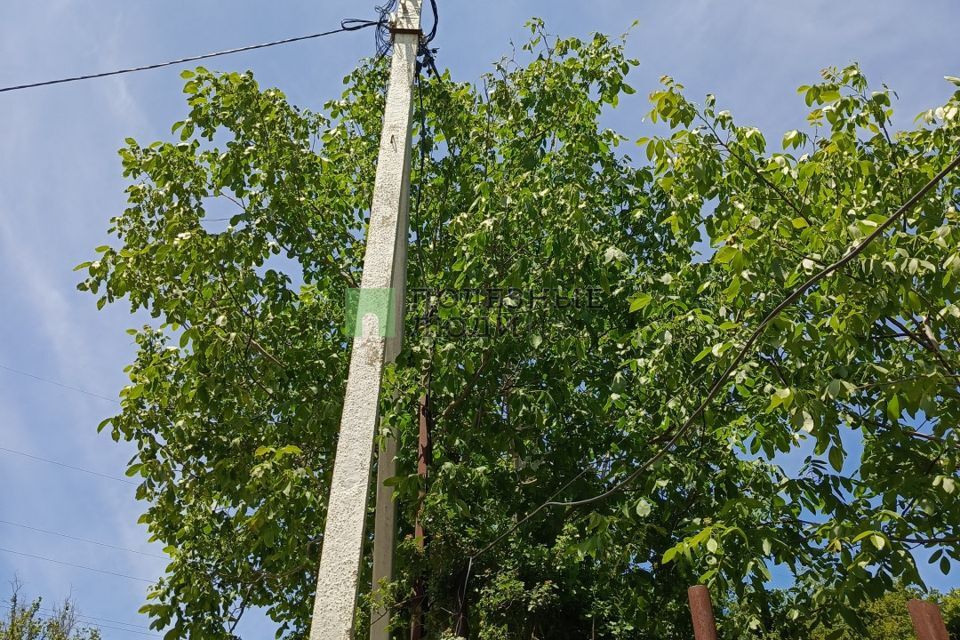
(60,183)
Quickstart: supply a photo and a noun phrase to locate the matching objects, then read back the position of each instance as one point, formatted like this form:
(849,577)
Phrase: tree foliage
(34,622)
(631,284)
(886,618)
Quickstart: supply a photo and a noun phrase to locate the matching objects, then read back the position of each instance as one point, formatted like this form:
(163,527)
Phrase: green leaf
(669,555)
(839,388)
(893,407)
(836,458)
(780,397)
(808,423)
(829,95)
(949,485)
(726,254)
(640,301)
(703,354)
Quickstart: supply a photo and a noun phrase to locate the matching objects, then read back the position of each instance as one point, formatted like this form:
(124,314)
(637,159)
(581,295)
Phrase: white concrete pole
(384,268)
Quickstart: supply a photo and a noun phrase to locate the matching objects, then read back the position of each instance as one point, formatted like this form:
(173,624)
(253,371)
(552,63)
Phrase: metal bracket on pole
(400,30)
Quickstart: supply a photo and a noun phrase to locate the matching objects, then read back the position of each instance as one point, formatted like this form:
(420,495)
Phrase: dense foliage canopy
(829,455)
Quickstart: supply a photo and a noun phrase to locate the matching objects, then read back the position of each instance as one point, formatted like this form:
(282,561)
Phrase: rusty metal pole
(701,611)
(462,627)
(927,621)
(417,618)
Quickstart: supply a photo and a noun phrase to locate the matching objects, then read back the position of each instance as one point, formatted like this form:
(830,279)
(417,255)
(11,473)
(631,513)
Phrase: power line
(76,613)
(719,382)
(67,466)
(428,38)
(49,614)
(107,620)
(57,384)
(717,385)
(75,566)
(86,540)
(345,26)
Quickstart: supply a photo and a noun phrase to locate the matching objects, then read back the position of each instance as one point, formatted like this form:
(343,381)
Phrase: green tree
(950,607)
(34,622)
(886,618)
(649,276)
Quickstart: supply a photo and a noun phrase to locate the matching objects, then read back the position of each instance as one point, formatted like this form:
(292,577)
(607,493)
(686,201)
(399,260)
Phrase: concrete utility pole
(384,269)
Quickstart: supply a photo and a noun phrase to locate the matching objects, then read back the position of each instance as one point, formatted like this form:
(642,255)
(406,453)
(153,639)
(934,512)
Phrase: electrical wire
(86,540)
(721,380)
(50,614)
(351,24)
(67,466)
(77,614)
(425,51)
(75,566)
(384,38)
(57,384)
(436,22)
(718,384)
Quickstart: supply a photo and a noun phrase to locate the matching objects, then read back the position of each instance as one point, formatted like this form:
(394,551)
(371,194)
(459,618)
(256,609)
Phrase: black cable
(422,144)
(436,22)
(76,566)
(384,38)
(57,384)
(86,540)
(351,24)
(68,466)
(425,51)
